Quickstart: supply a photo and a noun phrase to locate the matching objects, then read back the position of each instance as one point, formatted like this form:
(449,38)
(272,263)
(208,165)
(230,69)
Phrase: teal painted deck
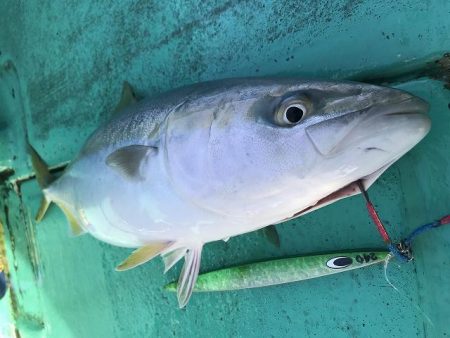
(61,70)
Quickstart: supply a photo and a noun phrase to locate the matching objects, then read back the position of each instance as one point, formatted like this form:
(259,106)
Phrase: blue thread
(421,230)
(406,256)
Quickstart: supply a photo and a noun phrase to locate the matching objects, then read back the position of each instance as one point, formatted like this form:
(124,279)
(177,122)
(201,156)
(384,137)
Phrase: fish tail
(43,177)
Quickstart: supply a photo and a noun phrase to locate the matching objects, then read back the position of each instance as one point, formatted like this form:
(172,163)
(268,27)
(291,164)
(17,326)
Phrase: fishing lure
(284,270)
(287,270)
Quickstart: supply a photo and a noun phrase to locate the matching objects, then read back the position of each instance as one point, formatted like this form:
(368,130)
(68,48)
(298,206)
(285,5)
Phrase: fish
(284,270)
(169,173)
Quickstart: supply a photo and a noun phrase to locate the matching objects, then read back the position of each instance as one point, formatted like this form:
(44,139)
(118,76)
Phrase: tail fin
(43,177)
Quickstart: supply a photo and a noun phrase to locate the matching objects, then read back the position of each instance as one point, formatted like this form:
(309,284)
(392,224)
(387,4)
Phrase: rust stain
(3,262)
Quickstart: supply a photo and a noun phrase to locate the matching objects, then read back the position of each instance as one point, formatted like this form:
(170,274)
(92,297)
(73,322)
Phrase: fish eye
(292,111)
(294,114)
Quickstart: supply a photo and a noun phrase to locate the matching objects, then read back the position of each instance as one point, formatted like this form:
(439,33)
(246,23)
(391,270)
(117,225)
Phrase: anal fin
(143,255)
(188,275)
(171,258)
(75,227)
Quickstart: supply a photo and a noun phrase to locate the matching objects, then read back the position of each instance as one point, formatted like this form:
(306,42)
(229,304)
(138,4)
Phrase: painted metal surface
(62,66)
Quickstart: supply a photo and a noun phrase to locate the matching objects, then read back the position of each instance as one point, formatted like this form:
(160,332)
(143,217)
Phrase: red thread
(378,223)
(445,220)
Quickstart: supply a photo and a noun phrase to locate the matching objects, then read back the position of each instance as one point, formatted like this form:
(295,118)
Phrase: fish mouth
(412,105)
(415,109)
(355,128)
(347,191)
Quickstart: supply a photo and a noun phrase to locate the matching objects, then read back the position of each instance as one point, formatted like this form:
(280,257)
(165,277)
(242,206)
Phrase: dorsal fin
(142,255)
(127,98)
(127,160)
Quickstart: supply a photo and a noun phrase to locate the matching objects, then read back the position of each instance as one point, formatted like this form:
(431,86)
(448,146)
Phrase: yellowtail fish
(214,160)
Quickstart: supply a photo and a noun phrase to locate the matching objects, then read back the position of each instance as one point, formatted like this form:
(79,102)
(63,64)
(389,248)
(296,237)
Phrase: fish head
(277,149)
(357,131)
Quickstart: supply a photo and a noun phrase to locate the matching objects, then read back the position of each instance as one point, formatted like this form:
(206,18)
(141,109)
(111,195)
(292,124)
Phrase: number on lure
(366,257)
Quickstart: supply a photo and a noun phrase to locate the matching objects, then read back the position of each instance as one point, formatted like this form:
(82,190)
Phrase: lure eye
(339,262)
(292,111)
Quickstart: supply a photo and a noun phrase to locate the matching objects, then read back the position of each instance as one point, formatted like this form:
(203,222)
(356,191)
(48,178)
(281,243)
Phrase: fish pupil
(294,114)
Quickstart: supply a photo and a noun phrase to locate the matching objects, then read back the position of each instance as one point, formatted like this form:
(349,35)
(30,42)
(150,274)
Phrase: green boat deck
(62,65)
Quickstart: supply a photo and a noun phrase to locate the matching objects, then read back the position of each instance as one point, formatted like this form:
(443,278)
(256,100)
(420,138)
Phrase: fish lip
(410,105)
(402,104)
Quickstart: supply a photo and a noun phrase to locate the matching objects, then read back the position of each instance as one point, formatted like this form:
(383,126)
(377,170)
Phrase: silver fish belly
(214,160)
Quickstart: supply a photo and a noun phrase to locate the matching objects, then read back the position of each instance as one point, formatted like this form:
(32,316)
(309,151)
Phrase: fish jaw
(407,122)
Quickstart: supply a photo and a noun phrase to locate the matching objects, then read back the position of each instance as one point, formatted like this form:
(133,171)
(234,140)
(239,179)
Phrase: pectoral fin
(127,160)
(143,255)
